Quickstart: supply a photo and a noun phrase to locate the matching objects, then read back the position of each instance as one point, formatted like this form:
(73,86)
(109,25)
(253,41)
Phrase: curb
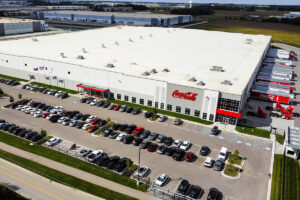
(230,177)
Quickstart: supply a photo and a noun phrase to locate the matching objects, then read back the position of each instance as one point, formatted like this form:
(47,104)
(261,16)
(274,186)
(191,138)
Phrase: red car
(152,147)
(137,131)
(92,128)
(117,107)
(189,156)
(45,115)
(95,121)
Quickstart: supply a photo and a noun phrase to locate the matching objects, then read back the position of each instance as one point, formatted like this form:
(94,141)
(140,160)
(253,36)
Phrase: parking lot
(251,185)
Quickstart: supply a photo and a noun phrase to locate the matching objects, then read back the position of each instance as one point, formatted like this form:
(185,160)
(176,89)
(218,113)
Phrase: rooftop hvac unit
(130,40)
(248,41)
(150,35)
(133,63)
(110,65)
(193,79)
(80,57)
(63,55)
(103,46)
(201,83)
(117,43)
(146,74)
(226,82)
(165,70)
(141,37)
(84,50)
(217,69)
(34,39)
(153,71)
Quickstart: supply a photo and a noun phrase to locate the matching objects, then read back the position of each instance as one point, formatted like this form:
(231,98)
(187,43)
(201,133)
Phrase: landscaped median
(63,178)
(253,131)
(164,112)
(68,160)
(54,87)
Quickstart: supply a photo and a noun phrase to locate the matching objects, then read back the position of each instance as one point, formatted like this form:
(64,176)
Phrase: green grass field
(253,131)
(63,178)
(292,179)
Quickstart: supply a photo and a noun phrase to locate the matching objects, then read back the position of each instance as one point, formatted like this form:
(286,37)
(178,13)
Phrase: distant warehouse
(140,19)
(205,74)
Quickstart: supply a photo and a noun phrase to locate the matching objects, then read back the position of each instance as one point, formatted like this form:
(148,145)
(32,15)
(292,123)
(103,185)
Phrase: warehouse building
(11,26)
(206,74)
(139,19)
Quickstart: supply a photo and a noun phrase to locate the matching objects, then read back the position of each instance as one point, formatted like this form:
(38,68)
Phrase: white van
(223,153)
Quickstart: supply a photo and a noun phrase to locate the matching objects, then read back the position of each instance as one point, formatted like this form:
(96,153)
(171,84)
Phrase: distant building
(139,19)
(11,26)
(111,9)
(292,15)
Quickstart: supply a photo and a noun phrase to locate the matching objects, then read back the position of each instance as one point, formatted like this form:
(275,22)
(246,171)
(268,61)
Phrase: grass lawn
(235,159)
(283,33)
(6,193)
(68,160)
(54,87)
(164,112)
(97,133)
(12,78)
(63,178)
(253,131)
(231,170)
(292,179)
(280,139)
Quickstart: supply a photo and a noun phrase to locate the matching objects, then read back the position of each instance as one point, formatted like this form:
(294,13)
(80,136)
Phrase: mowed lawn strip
(63,178)
(68,160)
(253,131)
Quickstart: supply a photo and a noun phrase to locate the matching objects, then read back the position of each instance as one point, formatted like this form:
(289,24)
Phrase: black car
(113,135)
(214,194)
(160,138)
(153,136)
(168,141)
(136,110)
(144,144)
(77,116)
(115,126)
(129,129)
(40,89)
(102,122)
(7,126)
(128,139)
(100,103)
(54,118)
(30,135)
(183,187)
(195,192)
(122,127)
(112,162)
(79,125)
(84,117)
(145,134)
(89,100)
(137,141)
(129,109)
(23,133)
(107,132)
(121,165)
(18,130)
(106,104)
(12,128)
(83,100)
(36,138)
(102,160)
(178,154)
(15,83)
(204,151)
(214,130)
(148,114)
(162,149)
(170,151)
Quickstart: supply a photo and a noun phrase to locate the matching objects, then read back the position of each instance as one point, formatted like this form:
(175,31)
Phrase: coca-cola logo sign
(181,95)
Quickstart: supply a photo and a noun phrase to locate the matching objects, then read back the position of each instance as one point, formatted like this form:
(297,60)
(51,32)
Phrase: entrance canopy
(92,88)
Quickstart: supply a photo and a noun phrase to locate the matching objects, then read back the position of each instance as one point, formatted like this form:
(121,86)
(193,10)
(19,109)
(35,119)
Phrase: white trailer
(277,61)
(272,54)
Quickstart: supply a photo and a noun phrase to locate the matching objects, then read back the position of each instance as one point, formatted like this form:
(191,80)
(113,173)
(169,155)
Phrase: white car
(90,118)
(61,120)
(223,153)
(33,111)
(72,123)
(162,118)
(176,143)
(120,136)
(161,180)
(86,126)
(58,93)
(208,162)
(24,108)
(94,102)
(19,107)
(49,116)
(94,155)
(53,141)
(185,145)
(66,122)
(28,110)
(142,171)
(38,114)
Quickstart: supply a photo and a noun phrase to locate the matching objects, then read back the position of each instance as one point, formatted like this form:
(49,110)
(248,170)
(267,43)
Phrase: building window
(119,96)
(204,116)
(162,106)
(187,111)
(211,117)
(197,113)
(178,109)
(149,103)
(228,104)
(156,105)
(169,107)
(225,119)
(125,98)
(142,101)
(133,99)
(69,72)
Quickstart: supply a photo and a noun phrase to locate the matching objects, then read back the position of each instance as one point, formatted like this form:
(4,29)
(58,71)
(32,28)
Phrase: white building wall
(17,28)
(210,102)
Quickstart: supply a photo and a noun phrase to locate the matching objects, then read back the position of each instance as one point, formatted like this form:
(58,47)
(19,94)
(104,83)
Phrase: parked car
(136,111)
(106,104)
(170,151)
(122,127)
(79,124)
(112,162)
(214,194)
(177,121)
(113,135)
(145,134)
(84,152)
(142,171)
(162,118)
(102,122)
(128,139)
(89,100)
(117,107)
(162,149)
(138,131)
(94,102)
(85,126)
(111,106)
(115,126)
(153,136)
(36,138)
(123,108)
(152,147)
(183,187)
(168,141)
(161,180)
(223,153)
(176,143)
(120,137)
(204,151)
(160,138)
(144,144)
(129,109)
(214,130)
(102,160)
(208,162)
(92,128)
(53,141)
(195,192)
(178,154)
(218,165)
(106,132)
(94,155)
(137,141)
(185,145)
(148,114)
(121,164)
(189,156)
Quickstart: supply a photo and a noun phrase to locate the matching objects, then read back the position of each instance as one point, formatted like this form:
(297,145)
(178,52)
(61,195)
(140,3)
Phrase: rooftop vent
(119,27)
(103,46)
(141,37)
(168,31)
(84,50)
(133,63)
(193,79)
(226,82)
(201,83)
(117,43)
(153,71)
(146,74)
(217,69)
(150,35)
(63,55)
(249,41)
(130,40)
(80,57)
(34,39)
(110,65)
(165,70)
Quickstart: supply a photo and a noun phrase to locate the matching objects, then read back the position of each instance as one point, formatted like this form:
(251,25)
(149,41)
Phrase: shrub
(231,170)
(20,96)
(11,99)
(236,152)
(108,119)
(43,133)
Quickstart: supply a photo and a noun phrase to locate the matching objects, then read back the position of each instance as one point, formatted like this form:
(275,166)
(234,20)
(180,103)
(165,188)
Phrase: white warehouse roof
(186,53)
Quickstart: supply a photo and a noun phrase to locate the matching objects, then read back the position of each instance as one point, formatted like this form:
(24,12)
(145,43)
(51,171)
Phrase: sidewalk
(78,173)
